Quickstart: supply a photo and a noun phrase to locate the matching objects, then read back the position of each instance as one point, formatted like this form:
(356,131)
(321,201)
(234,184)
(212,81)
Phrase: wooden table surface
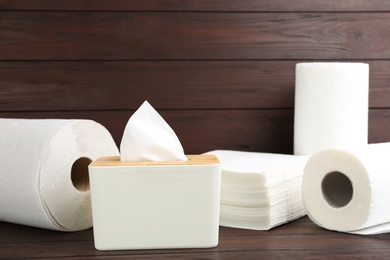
(300,239)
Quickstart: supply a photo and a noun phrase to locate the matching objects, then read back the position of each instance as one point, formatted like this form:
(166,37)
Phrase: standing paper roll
(349,191)
(44,171)
(331,106)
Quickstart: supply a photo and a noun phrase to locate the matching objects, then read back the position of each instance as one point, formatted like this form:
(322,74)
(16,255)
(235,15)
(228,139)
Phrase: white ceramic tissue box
(155,205)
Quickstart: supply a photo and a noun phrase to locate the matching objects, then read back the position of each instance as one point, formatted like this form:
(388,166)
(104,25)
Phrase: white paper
(331,106)
(147,137)
(260,190)
(348,190)
(36,158)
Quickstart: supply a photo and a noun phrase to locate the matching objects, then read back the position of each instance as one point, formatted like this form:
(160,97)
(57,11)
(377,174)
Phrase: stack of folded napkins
(260,190)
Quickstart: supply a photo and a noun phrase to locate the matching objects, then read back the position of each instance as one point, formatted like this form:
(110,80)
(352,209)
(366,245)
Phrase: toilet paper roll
(348,191)
(44,171)
(331,106)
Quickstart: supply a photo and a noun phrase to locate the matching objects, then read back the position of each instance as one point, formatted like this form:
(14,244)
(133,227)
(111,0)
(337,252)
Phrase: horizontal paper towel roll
(331,106)
(44,171)
(349,191)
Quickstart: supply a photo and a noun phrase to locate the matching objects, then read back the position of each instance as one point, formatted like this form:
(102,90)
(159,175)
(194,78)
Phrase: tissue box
(155,205)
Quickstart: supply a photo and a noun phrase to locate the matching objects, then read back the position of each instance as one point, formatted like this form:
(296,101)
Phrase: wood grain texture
(121,85)
(194,36)
(199,5)
(124,85)
(301,239)
(193,159)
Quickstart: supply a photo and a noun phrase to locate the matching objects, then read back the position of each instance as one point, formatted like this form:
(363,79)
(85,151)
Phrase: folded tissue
(153,196)
(147,137)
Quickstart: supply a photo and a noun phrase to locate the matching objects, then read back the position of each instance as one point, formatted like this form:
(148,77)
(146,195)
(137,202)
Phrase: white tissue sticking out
(147,137)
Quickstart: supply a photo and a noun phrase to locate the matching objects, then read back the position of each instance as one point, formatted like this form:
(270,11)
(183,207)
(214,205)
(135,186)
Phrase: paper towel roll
(44,171)
(348,191)
(331,106)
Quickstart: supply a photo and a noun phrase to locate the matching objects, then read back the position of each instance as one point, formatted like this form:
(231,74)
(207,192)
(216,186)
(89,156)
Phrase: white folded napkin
(260,190)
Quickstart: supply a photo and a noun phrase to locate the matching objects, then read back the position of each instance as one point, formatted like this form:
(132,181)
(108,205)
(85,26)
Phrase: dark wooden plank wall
(220,72)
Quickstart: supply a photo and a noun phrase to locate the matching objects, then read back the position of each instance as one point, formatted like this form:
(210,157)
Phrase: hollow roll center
(337,189)
(79,174)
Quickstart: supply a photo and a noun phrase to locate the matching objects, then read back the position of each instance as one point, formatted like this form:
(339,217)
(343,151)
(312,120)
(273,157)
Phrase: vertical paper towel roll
(349,191)
(44,171)
(331,106)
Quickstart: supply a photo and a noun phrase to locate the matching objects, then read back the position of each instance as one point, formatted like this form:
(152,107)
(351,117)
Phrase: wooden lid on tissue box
(192,160)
